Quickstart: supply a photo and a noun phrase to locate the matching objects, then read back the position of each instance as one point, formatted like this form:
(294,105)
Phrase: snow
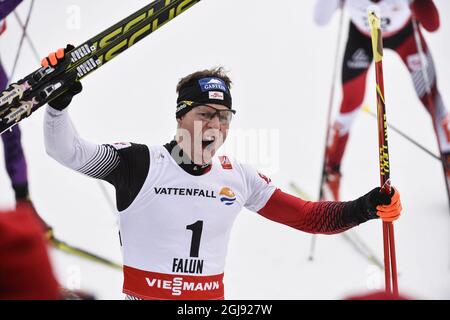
(281,64)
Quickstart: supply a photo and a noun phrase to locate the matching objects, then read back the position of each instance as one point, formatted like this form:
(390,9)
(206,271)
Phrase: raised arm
(124,165)
(63,144)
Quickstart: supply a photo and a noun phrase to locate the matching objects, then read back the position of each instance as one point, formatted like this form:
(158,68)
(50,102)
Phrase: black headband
(196,92)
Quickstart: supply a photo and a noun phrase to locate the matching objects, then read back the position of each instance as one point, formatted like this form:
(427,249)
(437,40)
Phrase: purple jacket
(8,6)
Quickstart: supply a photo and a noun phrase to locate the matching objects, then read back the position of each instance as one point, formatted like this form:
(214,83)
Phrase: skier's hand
(54,59)
(61,102)
(387,207)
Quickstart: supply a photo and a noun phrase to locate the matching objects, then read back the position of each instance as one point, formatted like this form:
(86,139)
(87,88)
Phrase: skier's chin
(208,152)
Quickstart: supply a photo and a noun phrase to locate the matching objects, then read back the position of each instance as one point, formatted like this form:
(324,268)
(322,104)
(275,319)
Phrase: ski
(24,97)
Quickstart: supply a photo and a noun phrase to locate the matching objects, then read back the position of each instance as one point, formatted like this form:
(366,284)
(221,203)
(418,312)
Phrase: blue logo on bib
(208,84)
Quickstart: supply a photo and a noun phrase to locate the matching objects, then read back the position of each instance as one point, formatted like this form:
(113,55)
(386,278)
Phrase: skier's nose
(214,123)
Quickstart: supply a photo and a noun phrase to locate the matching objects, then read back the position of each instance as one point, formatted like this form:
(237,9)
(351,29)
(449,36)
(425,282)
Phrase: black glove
(73,87)
(388,207)
(373,205)
(61,102)
(375,198)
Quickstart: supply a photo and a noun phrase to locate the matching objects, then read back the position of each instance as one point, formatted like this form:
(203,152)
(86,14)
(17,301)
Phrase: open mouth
(208,141)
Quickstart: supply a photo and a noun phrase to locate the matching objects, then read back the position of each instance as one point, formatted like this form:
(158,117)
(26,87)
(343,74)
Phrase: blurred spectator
(16,165)
(25,271)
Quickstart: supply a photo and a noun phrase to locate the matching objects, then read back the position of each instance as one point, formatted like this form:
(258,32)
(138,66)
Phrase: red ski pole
(390,263)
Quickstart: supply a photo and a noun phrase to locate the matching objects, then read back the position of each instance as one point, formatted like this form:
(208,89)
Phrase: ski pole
(367,110)
(329,112)
(30,43)
(424,69)
(49,235)
(67,248)
(385,181)
(24,32)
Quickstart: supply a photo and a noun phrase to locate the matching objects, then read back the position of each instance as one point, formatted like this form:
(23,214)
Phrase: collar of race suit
(194,169)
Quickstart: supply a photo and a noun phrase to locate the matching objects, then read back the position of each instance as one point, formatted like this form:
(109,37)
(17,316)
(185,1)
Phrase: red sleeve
(426,13)
(323,217)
